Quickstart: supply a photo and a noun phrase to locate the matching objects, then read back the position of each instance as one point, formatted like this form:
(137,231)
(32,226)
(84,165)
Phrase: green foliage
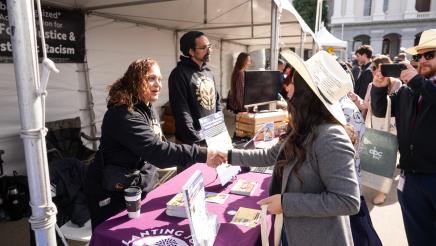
(307,10)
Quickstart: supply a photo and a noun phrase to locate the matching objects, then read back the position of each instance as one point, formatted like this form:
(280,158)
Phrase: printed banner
(64,32)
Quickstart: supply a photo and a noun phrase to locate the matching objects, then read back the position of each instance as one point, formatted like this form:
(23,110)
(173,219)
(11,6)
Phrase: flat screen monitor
(261,87)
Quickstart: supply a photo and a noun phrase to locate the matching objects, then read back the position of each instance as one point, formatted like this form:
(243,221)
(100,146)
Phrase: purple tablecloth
(154,225)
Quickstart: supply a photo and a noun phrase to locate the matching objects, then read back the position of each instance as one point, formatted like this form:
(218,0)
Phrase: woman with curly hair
(132,146)
(314,183)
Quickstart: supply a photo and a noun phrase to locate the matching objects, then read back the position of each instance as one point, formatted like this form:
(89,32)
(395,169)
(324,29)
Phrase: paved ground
(387,218)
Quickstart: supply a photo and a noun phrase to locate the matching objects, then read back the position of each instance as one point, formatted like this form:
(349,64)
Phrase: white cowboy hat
(427,40)
(325,76)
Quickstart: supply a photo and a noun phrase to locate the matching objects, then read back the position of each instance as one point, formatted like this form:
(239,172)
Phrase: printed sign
(64,32)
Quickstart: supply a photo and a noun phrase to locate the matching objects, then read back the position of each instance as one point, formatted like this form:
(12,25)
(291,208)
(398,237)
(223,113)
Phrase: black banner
(64,32)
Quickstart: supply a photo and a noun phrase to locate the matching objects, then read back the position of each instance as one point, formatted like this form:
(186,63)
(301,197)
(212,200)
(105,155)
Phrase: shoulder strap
(388,114)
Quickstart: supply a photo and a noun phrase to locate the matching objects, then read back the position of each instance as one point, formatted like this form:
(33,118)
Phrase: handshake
(216,157)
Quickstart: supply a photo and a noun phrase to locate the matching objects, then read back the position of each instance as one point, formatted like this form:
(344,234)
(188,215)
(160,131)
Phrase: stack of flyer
(176,207)
(244,187)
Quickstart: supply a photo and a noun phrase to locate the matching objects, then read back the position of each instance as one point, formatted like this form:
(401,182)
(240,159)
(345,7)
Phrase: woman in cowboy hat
(314,182)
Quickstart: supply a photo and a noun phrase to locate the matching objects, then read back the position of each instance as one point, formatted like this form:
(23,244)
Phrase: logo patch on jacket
(206,92)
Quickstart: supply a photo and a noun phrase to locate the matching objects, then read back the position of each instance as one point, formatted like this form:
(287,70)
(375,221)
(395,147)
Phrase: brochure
(204,227)
(214,131)
(247,217)
(214,197)
(244,187)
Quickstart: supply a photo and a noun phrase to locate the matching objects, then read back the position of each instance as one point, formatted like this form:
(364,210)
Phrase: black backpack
(14,197)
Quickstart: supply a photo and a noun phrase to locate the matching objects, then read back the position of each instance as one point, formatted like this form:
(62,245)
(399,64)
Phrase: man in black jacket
(191,87)
(363,56)
(414,108)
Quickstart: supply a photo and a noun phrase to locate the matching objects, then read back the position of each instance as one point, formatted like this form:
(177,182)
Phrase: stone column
(410,12)
(349,11)
(378,10)
(337,7)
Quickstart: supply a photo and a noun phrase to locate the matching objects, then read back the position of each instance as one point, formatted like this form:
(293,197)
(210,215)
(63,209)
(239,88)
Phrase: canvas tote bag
(278,224)
(378,154)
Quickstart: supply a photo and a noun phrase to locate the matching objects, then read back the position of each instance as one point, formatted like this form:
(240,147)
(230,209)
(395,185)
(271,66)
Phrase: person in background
(132,140)
(363,56)
(401,57)
(362,229)
(355,68)
(287,71)
(377,122)
(414,108)
(235,99)
(192,90)
(314,182)
(394,85)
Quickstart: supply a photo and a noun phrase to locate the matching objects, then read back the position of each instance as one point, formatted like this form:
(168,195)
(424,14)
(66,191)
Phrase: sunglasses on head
(427,55)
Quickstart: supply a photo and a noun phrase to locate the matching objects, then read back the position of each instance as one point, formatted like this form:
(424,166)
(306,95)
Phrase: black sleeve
(425,87)
(135,134)
(179,91)
(379,102)
(365,79)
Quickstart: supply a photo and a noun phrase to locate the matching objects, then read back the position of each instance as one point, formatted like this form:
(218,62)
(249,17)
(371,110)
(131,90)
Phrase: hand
(353,96)
(274,204)
(409,73)
(216,157)
(377,82)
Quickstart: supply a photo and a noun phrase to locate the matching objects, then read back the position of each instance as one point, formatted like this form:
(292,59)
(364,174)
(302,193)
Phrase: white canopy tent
(117,32)
(328,41)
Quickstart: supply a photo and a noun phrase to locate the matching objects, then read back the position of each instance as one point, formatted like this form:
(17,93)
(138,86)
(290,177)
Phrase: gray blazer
(315,211)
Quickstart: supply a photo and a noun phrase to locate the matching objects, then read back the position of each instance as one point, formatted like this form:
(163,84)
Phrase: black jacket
(416,131)
(361,84)
(128,140)
(192,96)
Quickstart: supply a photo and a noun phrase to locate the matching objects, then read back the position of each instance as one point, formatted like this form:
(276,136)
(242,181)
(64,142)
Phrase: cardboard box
(260,118)
(247,124)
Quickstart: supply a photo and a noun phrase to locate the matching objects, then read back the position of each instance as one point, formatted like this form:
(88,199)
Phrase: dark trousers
(418,205)
(362,229)
(101,211)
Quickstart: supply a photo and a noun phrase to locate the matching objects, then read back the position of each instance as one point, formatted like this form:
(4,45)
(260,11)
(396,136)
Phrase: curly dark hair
(306,113)
(130,89)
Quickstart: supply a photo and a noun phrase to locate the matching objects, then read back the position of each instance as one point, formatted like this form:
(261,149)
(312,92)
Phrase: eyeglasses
(208,46)
(427,55)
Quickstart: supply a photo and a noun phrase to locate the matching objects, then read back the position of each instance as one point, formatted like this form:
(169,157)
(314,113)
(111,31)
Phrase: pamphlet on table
(247,217)
(244,187)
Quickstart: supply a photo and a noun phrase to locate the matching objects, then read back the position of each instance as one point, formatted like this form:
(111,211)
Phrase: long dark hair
(131,88)
(239,65)
(306,113)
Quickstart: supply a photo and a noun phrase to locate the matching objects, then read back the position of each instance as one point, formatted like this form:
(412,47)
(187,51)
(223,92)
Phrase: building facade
(386,25)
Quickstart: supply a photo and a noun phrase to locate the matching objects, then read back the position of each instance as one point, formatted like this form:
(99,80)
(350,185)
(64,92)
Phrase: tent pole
(22,22)
(221,69)
(90,102)
(252,19)
(176,44)
(275,26)
(302,44)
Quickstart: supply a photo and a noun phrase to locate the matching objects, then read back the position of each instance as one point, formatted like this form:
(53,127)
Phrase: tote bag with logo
(378,154)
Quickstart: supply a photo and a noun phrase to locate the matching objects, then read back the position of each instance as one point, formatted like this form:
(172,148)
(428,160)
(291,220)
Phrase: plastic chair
(71,231)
